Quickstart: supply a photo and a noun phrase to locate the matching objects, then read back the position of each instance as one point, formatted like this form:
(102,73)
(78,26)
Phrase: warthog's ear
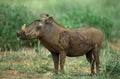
(46,16)
(50,18)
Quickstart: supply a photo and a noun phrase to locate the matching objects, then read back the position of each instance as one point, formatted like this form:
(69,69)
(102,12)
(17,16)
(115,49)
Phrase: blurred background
(101,14)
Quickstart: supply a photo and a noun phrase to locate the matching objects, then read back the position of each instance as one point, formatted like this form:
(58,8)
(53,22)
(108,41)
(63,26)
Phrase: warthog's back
(83,40)
(91,35)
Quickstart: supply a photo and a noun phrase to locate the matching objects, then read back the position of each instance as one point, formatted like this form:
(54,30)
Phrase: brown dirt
(85,69)
(10,74)
(13,74)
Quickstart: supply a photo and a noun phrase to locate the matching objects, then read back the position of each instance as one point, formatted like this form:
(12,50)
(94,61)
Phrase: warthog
(62,42)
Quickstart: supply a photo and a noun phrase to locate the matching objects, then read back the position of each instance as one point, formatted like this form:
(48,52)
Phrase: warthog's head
(35,29)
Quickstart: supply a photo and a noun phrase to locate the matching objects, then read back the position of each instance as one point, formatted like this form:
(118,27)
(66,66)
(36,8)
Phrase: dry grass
(30,54)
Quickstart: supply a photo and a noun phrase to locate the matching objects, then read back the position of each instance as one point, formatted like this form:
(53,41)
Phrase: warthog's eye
(36,23)
(47,22)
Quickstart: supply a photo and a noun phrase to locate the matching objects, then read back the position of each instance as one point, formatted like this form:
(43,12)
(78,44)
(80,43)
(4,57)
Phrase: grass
(36,63)
(40,64)
(11,19)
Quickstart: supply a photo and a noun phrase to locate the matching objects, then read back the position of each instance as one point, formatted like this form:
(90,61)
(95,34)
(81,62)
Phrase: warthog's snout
(21,32)
(17,33)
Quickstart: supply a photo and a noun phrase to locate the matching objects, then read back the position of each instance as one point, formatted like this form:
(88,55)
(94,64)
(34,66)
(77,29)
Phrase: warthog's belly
(78,51)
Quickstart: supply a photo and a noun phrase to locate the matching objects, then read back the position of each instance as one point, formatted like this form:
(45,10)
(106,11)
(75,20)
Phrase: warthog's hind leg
(97,60)
(91,60)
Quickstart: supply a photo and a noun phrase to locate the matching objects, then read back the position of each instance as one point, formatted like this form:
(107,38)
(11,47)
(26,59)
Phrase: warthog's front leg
(62,61)
(55,57)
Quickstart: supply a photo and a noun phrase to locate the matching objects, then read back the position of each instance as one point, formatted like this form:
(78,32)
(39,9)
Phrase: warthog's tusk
(23,27)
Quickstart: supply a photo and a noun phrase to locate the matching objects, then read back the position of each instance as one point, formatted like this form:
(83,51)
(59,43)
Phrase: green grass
(10,21)
(40,64)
